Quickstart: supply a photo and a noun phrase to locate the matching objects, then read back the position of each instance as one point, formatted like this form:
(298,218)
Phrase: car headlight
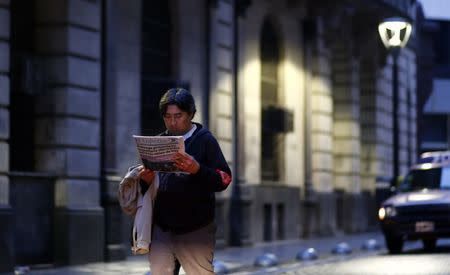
(381,213)
(387,211)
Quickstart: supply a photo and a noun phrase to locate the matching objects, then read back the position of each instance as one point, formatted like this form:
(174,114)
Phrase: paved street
(240,260)
(429,264)
(414,261)
(233,258)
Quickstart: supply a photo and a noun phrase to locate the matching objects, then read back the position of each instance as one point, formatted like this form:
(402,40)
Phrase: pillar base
(355,212)
(117,246)
(79,236)
(270,212)
(6,240)
(319,215)
(326,215)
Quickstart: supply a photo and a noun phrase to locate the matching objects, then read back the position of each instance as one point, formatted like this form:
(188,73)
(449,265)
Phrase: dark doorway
(156,74)
(23,88)
(31,193)
(267,230)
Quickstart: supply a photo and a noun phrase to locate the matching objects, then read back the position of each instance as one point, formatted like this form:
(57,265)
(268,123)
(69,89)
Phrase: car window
(421,179)
(445,178)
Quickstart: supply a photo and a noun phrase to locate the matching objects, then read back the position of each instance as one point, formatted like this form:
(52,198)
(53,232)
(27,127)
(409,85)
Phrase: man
(183,218)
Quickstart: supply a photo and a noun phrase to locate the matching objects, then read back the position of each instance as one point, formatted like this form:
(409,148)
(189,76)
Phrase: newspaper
(156,152)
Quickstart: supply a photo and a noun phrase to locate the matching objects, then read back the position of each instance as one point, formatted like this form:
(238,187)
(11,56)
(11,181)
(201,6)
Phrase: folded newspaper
(156,152)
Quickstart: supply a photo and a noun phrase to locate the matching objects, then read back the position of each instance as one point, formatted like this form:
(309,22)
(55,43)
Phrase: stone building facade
(298,94)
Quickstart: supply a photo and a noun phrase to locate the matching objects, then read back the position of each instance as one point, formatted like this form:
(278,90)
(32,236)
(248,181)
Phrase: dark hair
(180,97)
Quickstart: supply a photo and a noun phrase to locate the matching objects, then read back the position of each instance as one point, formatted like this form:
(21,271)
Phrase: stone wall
(221,71)
(6,226)
(221,99)
(324,216)
(351,216)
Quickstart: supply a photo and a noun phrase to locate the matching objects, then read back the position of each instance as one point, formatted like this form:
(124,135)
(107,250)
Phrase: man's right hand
(146,175)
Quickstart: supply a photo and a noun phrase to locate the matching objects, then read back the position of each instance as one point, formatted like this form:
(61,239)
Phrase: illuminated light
(388,211)
(426,166)
(394,32)
(381,213)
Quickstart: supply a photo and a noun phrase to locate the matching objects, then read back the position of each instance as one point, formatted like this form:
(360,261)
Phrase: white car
(421,207)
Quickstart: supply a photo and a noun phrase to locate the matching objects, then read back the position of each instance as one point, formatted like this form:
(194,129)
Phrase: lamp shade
(394,32)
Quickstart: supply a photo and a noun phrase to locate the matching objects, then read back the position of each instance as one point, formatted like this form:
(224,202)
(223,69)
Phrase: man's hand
(186,163)
(146,175)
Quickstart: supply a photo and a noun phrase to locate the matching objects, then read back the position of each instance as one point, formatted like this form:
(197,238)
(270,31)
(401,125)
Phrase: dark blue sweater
(186,202)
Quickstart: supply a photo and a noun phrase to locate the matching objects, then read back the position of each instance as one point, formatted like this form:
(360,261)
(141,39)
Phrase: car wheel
(394,244)
(429,244)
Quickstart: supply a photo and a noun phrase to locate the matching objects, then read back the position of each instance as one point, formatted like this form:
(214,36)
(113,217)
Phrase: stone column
(222,76)
(221,99)
(6,224)
(68,39)
(376,130)
(121,115)
(322,135)
(347,145)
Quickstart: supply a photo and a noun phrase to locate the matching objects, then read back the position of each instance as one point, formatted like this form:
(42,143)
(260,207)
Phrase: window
(420,179)
(445,178)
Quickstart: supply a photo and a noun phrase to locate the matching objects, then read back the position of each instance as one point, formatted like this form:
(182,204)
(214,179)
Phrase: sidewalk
(234,258)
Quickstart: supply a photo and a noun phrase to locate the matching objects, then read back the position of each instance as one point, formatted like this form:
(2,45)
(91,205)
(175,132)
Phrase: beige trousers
(194,251)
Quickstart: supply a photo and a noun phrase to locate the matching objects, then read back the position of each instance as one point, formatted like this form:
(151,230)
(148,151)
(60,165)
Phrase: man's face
(178,122)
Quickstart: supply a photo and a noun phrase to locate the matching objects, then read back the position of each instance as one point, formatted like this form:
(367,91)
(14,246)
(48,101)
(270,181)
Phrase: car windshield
(435,178)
